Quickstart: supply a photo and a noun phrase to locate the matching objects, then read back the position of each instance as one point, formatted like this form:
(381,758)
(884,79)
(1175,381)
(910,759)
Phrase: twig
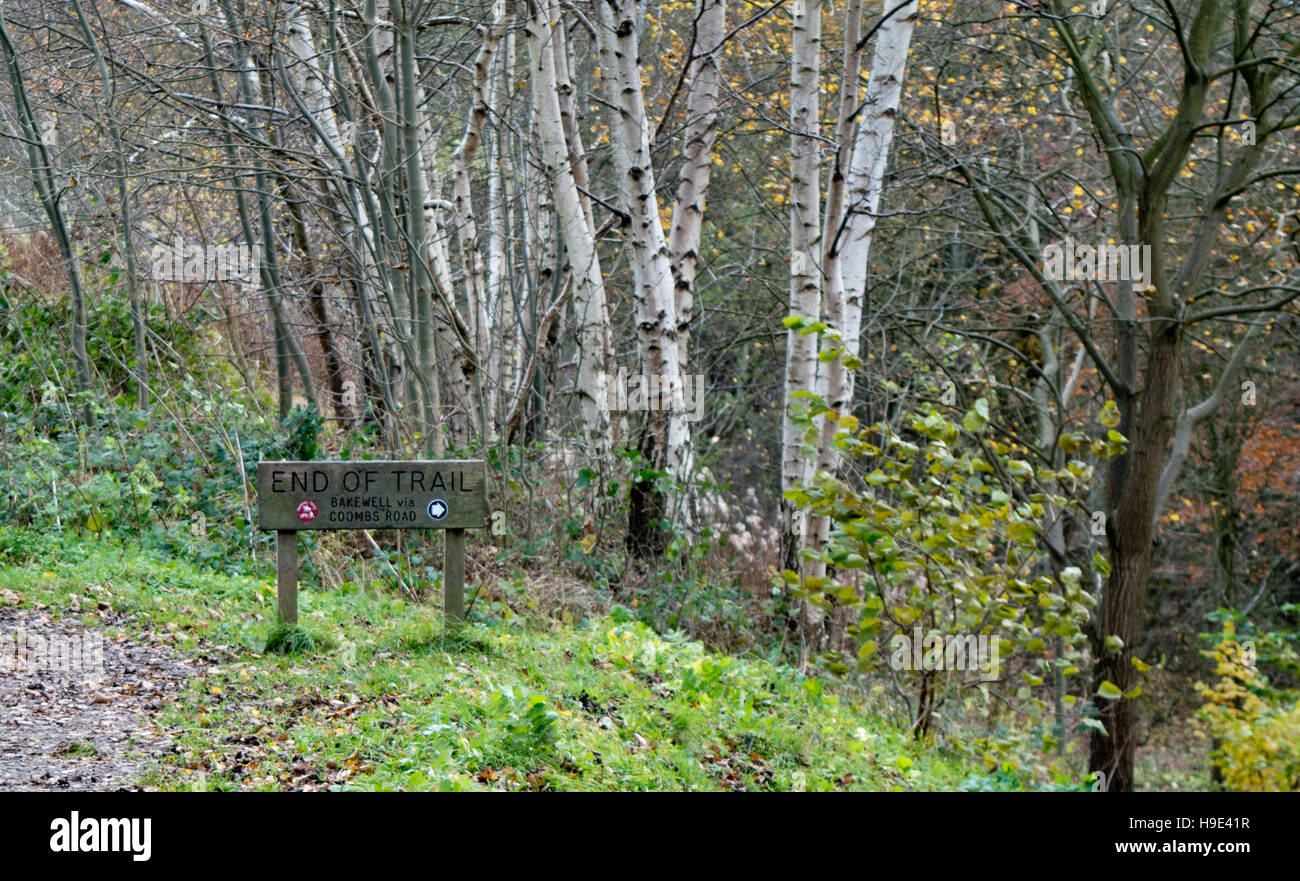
(248,507)
(370,538)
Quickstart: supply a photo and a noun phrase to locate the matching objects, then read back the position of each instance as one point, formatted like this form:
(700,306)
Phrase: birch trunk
(666,440)
(495,322)
(805,256)
(849,245)
(817,529)
(482,106)
(578,235)
(866,178)
(569,116)
(697,152)
(572,122)
(308,78)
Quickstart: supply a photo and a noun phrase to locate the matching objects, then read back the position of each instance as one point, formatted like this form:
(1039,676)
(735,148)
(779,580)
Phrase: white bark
(540,252)
(569,115)
(656,312)
(307,77)
(481,108)
(501,313)
(833,296)
(166,21)
(866,177)
(697,152)
(805,248)
(850,245)
(591,319)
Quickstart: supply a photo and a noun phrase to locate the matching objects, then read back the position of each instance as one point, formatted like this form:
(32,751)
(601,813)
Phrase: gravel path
(85,729)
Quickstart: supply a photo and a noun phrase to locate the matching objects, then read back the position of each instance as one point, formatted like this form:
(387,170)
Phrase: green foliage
(21,546)
(35,354)
(526,722)
(1006,778)
(941,542)
(289,639)
(78,749)
(301,429)
(171,477)
(130,474)
(1276,650)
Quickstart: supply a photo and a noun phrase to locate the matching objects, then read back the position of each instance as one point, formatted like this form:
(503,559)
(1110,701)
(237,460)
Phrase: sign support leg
(454,576)
(286,573)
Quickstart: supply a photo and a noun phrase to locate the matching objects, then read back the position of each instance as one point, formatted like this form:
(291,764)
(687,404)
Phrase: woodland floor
(385,699)
(72,732)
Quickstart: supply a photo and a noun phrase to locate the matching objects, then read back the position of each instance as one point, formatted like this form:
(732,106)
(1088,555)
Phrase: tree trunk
(42,170)
(1129,533)
(697,153)
(805,258)
(141,371)
(666,439)
(482,105)
(590,316)
(848,248)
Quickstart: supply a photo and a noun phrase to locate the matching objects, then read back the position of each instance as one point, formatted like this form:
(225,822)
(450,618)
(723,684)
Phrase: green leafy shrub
(940,543)
(1255,728)
(526,724)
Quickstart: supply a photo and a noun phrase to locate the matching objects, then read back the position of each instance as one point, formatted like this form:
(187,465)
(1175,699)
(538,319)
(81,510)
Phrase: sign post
(286,574)
(294,496)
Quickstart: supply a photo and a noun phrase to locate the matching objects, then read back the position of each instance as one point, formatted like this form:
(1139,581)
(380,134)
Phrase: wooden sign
(371,495)
(292,496)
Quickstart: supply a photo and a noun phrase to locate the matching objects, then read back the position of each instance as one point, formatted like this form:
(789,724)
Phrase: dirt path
(76,730)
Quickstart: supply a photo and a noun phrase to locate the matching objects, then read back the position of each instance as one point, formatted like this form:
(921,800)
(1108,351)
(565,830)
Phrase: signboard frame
(296,496)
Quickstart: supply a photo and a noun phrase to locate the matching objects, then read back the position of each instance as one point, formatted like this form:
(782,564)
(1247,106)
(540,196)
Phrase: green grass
(384,699)
(77,749)
(289,639)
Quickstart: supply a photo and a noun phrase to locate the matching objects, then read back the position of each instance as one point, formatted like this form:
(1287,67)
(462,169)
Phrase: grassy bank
(385,699)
